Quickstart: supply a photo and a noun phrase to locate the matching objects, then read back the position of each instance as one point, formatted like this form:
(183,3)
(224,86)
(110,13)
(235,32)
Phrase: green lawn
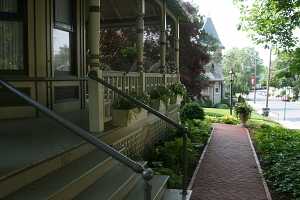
(217,112)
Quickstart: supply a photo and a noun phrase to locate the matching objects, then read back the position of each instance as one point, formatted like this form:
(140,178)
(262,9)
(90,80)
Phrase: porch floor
(27,141)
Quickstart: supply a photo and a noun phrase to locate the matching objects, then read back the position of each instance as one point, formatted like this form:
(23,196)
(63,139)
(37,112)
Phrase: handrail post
(147,176)
(185,164)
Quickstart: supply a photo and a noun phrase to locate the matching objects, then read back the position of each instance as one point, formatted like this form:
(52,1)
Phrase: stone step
(20,178)
(174,194)
(68,181)
(159,185)
(114,185)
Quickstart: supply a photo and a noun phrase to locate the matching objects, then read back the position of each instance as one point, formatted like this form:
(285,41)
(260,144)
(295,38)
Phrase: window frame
(19,16)
(72,40)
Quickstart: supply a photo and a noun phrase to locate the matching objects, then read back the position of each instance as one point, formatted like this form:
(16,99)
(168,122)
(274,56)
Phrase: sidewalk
(229,170)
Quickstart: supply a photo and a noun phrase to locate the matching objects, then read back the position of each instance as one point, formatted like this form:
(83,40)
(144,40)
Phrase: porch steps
(20,178)
(114,185)
(159,184)
(68,181)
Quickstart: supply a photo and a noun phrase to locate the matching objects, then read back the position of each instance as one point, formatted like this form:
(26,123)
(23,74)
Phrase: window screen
(11,36)
(63,14)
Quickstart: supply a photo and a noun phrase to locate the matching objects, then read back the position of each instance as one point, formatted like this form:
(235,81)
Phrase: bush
(279,150)
(178,89)
(222,106)
(243,108)
(160,93)
(192,111)
(122,103)
(199,131)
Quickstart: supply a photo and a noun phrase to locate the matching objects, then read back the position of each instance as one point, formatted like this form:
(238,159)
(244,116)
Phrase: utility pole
(255,68)
(267,109)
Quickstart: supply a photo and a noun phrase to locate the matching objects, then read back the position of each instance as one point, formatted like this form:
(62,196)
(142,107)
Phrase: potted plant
(177,90)
(159,98)
(125,112)
(243,111)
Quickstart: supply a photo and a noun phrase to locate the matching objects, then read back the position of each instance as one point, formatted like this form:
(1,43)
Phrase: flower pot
(127,117)
(158,105)
(179,100)
(243,118)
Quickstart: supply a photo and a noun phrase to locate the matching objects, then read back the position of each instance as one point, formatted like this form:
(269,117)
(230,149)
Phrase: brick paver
(228,170)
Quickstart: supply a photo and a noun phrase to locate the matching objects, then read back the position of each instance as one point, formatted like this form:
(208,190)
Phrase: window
(217,90)
(63,37)
(12,36)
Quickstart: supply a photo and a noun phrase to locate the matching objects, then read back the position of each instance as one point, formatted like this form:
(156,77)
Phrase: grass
(257,118)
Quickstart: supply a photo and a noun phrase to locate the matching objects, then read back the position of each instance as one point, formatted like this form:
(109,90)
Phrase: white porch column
(163,37)
(96,90)
(177,47)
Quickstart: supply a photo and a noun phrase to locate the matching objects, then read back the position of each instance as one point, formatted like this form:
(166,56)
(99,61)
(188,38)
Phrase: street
(276,105)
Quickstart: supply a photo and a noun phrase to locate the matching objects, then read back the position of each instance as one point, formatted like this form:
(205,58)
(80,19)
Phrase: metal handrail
(146,173)
(92,75)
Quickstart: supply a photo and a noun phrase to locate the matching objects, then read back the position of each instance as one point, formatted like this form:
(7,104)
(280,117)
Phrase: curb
(200,161)
(260,171)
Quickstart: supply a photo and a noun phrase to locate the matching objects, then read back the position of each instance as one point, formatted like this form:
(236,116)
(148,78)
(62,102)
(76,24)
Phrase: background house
(214,69)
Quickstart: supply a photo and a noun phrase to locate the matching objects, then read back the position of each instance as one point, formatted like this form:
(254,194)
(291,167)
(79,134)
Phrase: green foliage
(124,104)
(160,93)
(279,150)
(178,89)
(222,106)
(243,108)
(226,119)
(270,21)
(198,131)
(192,111)
(129,53)
(241,62)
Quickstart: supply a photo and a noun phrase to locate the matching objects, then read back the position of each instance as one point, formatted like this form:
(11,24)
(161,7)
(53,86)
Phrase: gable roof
(210,29)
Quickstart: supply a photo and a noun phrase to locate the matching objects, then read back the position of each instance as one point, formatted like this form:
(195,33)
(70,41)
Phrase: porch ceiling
(126,11)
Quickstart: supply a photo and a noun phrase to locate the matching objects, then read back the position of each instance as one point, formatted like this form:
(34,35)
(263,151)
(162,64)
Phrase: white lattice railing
(132,83)
(153,80)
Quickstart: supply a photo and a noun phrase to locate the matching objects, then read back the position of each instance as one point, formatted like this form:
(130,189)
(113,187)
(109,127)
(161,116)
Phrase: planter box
(158,105)
(127,117)
(179,100)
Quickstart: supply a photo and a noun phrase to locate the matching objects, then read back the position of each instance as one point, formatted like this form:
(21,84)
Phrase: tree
(241,61)
(286,71)
(270,21)
(195,54)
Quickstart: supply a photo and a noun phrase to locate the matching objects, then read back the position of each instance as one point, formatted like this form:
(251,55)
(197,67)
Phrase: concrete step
(114,185)
(159,185)
(68,181)
(174,194)
(19,178)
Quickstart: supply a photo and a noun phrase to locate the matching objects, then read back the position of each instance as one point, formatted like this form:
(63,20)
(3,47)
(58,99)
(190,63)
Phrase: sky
(225,17)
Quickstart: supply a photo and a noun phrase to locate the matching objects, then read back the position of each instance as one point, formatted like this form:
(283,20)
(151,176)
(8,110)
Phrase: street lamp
(231,73)
(266,110)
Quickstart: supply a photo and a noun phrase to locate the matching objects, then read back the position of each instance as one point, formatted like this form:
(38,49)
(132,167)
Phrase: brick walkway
(228,170)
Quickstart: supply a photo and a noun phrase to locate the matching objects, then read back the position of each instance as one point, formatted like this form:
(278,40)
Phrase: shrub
(279,150)
(243,108)
(192,111)
(222,106)
(178,89)
(198,130)
(122,103)
(160,93)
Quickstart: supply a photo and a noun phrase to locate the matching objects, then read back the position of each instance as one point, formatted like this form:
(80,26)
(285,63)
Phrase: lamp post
(266,110)
(231,82)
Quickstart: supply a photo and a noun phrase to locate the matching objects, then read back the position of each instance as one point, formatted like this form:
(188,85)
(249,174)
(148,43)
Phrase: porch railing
(132,82)
(179,127)
(146,173)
